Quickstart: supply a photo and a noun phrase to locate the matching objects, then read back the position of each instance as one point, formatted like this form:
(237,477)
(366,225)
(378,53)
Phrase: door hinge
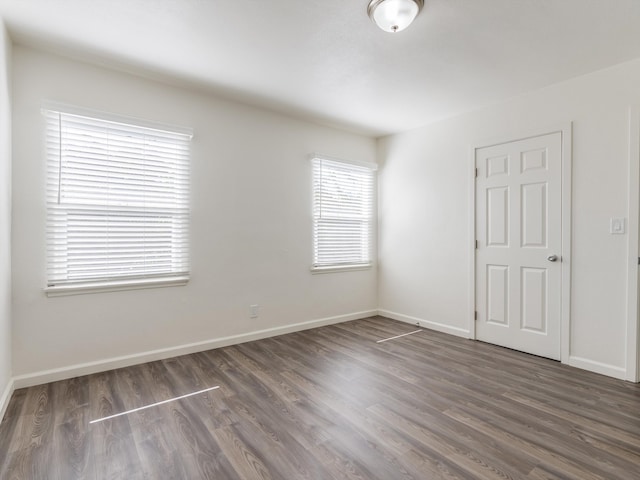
(476,243)
(475,315)
(638,260)
(476,173)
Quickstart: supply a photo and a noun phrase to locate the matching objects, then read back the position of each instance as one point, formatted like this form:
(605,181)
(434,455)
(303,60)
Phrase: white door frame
(565,130)
(632,357)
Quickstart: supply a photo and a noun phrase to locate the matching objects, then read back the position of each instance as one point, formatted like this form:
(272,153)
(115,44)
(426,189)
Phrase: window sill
(335,269)
(114,286)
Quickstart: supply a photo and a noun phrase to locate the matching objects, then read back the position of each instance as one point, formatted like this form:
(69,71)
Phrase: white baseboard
(46,376)
(578,362)
(598,367)
(6,396)
(72,371)
(439,327)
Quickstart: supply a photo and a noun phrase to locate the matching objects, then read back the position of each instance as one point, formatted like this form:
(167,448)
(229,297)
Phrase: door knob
(552,258)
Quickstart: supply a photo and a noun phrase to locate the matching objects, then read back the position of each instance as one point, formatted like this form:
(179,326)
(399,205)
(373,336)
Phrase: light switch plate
(617,226)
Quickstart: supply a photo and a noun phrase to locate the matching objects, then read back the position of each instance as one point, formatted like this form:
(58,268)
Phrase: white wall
(251,227)
(5,219)
(424,208)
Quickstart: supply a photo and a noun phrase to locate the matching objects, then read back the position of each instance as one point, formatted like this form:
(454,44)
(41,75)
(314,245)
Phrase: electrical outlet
(617,226)
(253,311)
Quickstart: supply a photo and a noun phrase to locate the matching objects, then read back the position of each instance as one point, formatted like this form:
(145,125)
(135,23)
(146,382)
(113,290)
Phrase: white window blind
(343,195)
(117,202)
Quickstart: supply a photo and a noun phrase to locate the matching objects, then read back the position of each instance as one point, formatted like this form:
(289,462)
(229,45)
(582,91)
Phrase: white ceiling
(325,60)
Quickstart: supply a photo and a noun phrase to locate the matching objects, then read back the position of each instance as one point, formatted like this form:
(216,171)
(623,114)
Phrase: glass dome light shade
(394,15)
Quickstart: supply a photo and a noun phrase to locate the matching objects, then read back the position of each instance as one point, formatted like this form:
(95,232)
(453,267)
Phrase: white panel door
(519,239)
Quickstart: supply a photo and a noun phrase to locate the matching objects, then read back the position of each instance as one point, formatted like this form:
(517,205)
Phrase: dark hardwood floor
(331,403)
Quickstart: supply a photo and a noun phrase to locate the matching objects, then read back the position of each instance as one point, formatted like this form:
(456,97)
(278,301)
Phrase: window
(343,195)
(117,204)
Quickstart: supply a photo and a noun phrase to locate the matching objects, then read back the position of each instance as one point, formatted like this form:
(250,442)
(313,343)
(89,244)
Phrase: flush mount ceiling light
(394,15)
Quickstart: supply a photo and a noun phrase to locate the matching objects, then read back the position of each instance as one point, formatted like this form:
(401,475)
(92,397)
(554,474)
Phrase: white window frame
(105,170)
(358,216)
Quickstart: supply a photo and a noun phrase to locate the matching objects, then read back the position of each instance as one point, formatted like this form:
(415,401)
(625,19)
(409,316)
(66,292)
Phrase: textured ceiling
(325,60)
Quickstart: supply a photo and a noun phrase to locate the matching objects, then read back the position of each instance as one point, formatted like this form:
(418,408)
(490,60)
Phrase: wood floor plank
(203,457)
(30,453)
(114,449)
(444,447)
(72,440)
(154,446)
(330,403)
(246,463)
(10,424)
